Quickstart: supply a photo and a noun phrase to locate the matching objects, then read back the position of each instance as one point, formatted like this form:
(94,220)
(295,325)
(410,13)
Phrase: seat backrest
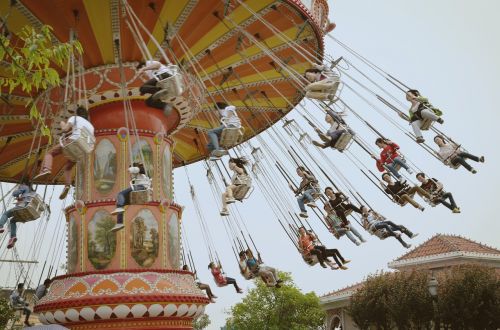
(343,141)
(231,136)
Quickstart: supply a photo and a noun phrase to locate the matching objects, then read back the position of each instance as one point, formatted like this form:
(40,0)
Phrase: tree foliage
(271,308)
(6,313)
(468,298)
(32,60)
(201,322)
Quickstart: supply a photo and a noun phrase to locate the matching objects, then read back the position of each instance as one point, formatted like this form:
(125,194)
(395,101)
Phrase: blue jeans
(13,225)
(213,138)
(307,195)
(123,199)
(350,235)
(392,166)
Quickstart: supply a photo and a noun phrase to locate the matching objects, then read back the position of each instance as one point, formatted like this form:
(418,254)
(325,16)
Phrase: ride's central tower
(128,279)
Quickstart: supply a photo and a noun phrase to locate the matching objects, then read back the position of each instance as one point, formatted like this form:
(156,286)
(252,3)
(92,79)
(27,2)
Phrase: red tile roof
(440,244)
(350,288)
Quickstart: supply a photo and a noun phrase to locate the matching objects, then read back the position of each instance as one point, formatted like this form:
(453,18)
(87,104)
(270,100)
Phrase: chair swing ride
(257,59)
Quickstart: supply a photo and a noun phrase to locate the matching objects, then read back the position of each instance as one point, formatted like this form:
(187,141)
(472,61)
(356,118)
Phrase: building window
(336,323)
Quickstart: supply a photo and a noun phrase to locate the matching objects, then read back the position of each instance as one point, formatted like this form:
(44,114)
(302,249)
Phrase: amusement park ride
(251,54)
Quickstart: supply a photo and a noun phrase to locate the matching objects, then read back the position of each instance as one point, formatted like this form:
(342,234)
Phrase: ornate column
(130,279)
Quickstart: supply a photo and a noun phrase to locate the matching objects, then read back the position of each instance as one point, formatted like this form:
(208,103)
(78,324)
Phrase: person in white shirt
(140,182)
(337,127)
(451,154)
(17,302)
(245,272)
(323,83)
(155,71)
(229,118)
(419,111)
(71,127)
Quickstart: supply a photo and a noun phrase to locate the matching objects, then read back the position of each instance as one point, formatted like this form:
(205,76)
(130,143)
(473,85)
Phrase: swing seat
(426,124)
(242,192)
(31,211)
(172,86)
(311,260)
(140,196)
(344,141)
(381,233)
(76,150)
(231,136)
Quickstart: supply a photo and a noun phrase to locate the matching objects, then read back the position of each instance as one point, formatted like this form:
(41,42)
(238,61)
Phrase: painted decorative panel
(105,166)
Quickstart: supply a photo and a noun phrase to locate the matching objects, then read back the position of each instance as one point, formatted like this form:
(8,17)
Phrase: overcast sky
(449,50)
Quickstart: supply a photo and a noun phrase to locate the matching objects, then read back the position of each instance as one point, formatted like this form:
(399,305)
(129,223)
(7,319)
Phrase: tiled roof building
(438,253)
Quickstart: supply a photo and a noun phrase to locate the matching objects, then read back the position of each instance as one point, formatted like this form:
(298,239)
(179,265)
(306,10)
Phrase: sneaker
(455,210)
(473,171)
(421,208)
(409,170)
(346,261)
(239,291)
(420,139)
(230,200)
(440,120)
(311,204)
(318,144)
(2,230)
(481,159)
(118,210)
(224,213)
(279,280)
(117,227)
(406,245)
(413,235)
(28,324)
(212,301)
(323,265)
(303,214)
(357,243)
(167,109)
(214,296)
(43,173)
(12,242)
(343,267)
(363,240)
(64,193)
(219,152)
(277,286)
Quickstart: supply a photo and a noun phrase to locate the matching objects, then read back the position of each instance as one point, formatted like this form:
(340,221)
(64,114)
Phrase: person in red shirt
(390,159)
(222,280)
(308,248)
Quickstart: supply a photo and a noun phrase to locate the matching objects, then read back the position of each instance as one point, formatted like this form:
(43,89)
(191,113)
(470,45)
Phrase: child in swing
(220,279)
(229,119)
(140,181)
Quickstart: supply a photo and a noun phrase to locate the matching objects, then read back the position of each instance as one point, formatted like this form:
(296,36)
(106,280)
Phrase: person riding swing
(156,71)
(401,192)
(421,114)
(73,129)
(390,158)
(323,83)
(307,190)
(23,194)
(339,228)
(229,119)
(437,193)
(377,224)
(453,155)
(331,138)
(240,184)
(140,181)
(309,247)
(220,279)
